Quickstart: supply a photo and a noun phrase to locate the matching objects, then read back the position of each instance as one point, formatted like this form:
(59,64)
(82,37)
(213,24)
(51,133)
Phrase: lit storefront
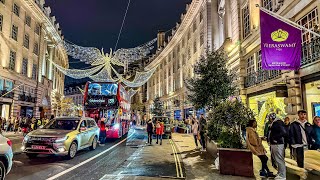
(264,104)
(312,99)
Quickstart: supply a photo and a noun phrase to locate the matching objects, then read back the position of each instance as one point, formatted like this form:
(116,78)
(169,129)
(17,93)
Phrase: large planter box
(236,162)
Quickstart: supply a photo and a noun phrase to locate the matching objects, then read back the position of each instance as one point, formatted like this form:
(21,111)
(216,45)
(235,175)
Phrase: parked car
(6,156)
(62,136)
(167,125)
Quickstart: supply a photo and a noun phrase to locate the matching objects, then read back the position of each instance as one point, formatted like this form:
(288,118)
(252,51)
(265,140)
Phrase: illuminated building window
(194,47)
(26,41)
(1,21)
(194,26)
(250,65)
(28,21)
(309,21)
(24,66)
(14,32)
(201,16)
(201,38)
(246,21)
(268,4)
(16,9)
(34,71)
(12,62)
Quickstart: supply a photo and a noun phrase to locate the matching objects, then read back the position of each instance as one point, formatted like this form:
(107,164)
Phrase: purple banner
(280,44)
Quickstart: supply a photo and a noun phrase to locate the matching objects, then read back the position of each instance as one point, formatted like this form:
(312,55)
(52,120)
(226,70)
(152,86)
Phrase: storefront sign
(280,44)
(177,114)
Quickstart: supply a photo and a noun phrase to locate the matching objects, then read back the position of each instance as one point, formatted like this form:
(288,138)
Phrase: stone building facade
(175,59)
(29,38)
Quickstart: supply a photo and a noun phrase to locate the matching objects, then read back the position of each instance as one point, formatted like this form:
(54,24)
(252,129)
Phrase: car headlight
(58,140)
(26,138)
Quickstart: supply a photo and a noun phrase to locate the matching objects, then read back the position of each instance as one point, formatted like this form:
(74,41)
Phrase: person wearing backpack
(300,134)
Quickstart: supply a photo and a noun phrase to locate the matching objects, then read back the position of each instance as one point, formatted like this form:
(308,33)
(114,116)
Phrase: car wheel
(72,150)
(94,144)
(31,156)
(2,171)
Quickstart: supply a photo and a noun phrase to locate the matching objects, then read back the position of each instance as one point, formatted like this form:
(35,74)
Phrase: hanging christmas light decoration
(132,92)
(103,63)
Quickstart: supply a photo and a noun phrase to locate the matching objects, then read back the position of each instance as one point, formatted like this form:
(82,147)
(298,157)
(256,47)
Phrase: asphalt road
(105,162)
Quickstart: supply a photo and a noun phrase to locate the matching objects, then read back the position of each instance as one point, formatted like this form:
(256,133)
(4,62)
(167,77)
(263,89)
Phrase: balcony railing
(260,77)
(9,95)
(311,52)
(27,98)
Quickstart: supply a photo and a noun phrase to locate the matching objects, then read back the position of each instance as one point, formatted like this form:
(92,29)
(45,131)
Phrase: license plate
(38,147)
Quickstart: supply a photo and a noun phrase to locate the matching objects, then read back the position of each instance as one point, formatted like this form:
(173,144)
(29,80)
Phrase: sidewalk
(200,165)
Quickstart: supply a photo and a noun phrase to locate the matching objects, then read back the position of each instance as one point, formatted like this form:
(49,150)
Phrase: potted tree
(225,127)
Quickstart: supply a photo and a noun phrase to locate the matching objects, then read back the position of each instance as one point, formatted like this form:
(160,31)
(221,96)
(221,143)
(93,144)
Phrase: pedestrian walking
(277,139)
(159,131)
(316,133)
(202,131)
(254,143)
(271,117)
(150,129)
(300,133)
(195,131)
(16,126)
(103,133)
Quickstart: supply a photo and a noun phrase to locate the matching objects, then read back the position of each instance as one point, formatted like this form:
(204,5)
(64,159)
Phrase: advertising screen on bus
(103,95)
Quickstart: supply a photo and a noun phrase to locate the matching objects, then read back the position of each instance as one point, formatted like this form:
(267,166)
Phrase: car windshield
(62,124)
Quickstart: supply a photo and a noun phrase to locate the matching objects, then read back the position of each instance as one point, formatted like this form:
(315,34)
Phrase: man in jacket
(276,139)
(150,127)
(202,129)
(300,133)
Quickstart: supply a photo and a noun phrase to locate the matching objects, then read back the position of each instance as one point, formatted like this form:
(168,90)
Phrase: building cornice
(48,24)
(192,12)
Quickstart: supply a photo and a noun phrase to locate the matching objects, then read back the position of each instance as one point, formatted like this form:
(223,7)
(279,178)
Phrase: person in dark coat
(316,133)
(103,133)
(150,127)
(300,134)
(202,129)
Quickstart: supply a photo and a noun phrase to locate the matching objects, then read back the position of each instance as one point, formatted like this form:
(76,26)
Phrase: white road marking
(88,160)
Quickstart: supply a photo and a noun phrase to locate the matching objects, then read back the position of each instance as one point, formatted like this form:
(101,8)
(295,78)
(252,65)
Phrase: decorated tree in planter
(225,123)
(157,107)
(212,82)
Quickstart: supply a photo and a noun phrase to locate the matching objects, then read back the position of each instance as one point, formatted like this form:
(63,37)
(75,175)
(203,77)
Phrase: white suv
(5,156)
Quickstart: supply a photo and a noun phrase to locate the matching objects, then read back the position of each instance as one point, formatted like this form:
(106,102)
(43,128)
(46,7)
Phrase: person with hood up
(300,133)
(150,130)
(254,143)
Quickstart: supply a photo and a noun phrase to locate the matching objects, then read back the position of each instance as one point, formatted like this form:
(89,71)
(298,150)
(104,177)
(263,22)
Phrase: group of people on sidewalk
(17,124)
(299,136)
(158,127)
(198,130)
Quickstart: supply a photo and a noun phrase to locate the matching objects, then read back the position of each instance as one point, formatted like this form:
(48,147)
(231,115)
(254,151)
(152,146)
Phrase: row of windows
(26,89)
(26,40)
(12,64)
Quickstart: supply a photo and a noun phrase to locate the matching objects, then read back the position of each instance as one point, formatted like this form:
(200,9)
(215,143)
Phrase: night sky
(97,22)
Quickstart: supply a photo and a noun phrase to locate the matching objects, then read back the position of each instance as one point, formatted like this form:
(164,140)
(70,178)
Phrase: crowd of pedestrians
(298,135)
(19,124)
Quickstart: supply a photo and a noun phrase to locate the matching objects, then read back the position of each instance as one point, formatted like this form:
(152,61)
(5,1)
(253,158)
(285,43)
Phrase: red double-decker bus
(109,102)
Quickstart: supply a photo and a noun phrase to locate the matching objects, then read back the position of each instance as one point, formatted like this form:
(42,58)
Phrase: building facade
(75,93)
(175,59)
(29,38)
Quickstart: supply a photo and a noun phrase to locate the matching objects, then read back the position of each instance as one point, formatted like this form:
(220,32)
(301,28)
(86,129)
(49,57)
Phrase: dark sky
(97,22)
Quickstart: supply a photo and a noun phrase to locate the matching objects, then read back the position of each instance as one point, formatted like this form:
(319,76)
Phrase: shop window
(24,66)
(26,41)
(250,65)
(12,62)
(14,32)
(16,9)
(246,21)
